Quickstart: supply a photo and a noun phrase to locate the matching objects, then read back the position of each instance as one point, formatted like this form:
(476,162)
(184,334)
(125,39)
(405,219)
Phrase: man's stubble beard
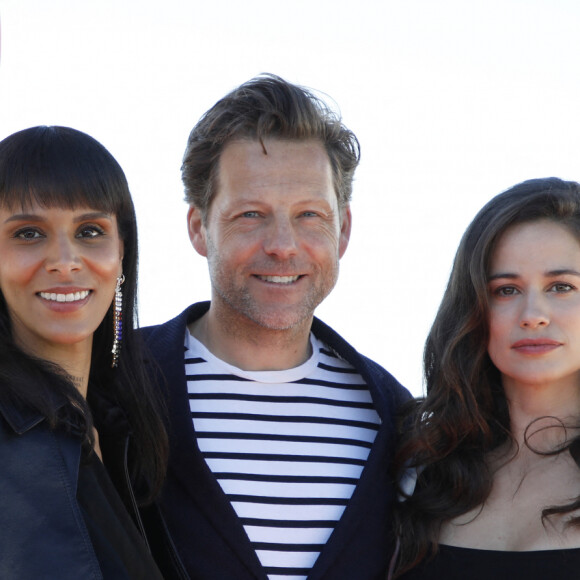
(238,305)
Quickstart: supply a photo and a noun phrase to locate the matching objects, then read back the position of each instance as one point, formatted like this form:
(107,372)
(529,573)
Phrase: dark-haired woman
(490,461)
(73,391)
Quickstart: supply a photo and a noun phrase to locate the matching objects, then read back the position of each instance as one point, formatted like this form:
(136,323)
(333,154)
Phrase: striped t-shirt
(287,447)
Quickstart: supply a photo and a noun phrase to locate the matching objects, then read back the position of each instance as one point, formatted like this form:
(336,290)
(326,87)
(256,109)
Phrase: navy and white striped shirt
(287,447)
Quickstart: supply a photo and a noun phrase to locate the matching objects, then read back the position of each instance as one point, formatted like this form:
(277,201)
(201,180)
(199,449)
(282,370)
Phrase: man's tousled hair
(266,107)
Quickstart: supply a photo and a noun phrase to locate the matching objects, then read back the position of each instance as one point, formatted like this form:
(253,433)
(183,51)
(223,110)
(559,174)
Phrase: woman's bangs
(63,183)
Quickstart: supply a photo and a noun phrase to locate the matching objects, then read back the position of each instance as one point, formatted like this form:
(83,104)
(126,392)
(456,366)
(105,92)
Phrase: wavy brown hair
(448,434)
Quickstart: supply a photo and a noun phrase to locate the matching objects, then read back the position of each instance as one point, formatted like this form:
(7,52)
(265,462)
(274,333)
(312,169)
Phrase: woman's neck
(543,417)
(74,359)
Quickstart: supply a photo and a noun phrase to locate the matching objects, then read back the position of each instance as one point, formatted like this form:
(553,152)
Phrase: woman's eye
(561,287)
(90,232)
(28,234)
(506,291)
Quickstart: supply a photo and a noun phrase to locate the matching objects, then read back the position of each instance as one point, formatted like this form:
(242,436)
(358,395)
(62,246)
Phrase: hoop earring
(117,321)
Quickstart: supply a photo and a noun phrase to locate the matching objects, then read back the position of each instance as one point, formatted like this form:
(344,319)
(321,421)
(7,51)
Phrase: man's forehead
(269,145)
(274,160)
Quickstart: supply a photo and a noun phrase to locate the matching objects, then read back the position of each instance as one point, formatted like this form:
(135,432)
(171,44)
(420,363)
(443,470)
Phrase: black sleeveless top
(453,563)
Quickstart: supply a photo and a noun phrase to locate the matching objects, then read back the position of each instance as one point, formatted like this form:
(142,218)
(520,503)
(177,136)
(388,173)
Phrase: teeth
(280,279)
(72,297)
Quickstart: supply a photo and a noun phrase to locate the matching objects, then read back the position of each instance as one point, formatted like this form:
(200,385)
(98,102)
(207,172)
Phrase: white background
(453,101)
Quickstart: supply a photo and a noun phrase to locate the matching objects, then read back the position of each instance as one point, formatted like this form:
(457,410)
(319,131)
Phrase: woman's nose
(534,312)
(62,256)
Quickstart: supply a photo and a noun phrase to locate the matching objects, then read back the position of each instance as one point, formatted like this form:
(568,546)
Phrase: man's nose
(281,238)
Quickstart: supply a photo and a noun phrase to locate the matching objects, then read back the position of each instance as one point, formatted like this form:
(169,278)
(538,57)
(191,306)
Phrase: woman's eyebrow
(549,274)
(562,271)
(38,218)
(93,216)
(24,217)
(508,275)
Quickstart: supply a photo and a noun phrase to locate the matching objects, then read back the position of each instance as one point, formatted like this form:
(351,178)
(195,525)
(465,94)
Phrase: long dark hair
(65,168)
(448,434)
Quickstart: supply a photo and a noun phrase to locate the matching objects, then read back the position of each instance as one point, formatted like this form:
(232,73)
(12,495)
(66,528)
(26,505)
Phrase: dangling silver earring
(117,321)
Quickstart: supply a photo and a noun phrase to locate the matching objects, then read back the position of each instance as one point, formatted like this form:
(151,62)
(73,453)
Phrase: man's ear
(196,230)
(345,226)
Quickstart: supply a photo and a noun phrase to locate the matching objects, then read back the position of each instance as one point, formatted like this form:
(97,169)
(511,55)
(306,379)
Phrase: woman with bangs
(82,444)
(489,462)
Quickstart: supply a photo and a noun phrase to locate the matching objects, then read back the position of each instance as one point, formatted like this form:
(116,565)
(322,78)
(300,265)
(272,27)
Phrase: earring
(117,321)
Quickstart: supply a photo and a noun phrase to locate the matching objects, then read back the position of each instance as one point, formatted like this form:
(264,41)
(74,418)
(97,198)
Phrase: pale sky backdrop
(453,101)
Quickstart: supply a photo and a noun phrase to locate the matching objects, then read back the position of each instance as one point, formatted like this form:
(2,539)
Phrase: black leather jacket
(42,529)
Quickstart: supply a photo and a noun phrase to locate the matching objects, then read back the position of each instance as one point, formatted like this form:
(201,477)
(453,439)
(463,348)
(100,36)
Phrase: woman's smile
(58,273)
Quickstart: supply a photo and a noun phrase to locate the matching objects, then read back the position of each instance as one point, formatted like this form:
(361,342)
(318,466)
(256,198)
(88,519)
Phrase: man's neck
(251,347)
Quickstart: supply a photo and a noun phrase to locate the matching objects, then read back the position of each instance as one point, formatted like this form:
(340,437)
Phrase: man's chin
(275,320)
(262,315)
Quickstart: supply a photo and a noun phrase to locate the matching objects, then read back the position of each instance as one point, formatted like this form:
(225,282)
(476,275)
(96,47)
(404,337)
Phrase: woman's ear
(121,256)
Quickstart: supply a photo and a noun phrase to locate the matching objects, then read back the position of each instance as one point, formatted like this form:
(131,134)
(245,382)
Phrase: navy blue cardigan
(205,530)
